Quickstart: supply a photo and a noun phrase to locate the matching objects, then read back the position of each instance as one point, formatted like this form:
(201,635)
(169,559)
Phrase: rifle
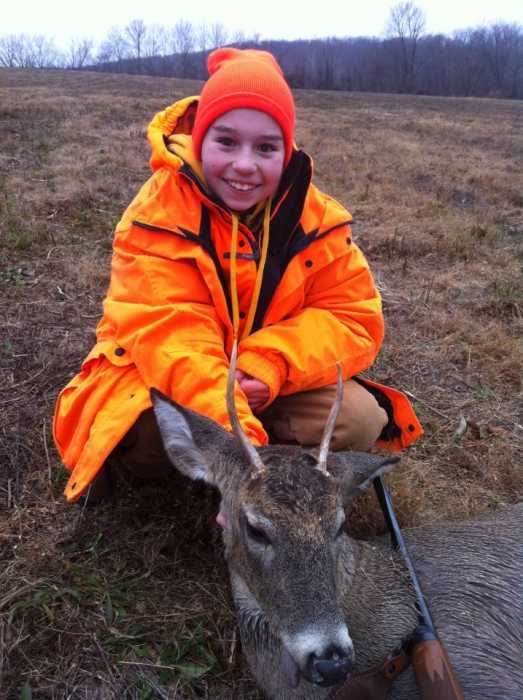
(435,676)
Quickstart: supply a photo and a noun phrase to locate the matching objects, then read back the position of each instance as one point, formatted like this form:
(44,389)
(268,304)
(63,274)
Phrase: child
(230,238)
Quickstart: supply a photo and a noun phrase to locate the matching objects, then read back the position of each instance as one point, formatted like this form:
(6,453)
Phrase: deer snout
(331,668)
(323,659)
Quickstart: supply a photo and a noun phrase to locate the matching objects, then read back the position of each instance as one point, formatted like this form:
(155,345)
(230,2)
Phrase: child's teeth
(241,186)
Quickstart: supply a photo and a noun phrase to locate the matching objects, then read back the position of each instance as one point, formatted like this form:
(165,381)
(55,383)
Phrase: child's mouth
(240,186)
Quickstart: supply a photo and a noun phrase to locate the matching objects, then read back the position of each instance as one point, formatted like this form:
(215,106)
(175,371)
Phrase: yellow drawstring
(233,280)
(259,275)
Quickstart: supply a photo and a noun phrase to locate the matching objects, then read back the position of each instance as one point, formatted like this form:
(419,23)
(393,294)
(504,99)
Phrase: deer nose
(331,668)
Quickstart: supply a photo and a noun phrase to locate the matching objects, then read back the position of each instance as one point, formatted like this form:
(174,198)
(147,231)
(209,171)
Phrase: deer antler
(331,422)
(250,450)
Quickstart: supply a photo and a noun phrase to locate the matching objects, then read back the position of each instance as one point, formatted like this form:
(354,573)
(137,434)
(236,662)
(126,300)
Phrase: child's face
(243,153)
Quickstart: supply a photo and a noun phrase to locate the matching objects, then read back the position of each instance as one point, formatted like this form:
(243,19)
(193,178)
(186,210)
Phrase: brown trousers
(299,418)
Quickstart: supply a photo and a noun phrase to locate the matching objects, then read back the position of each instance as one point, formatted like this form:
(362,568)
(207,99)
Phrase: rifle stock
(434,673)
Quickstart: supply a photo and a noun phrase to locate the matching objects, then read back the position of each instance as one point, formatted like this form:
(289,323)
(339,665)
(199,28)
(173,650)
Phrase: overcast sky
(272,19)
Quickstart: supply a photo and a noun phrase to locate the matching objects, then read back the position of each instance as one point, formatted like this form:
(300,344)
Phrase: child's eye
(225,141)
(267,147)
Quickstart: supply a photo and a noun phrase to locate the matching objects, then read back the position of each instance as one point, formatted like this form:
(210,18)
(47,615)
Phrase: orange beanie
(244,79)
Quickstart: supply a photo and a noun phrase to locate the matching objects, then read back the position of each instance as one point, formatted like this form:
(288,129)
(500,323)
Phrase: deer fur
(305,590)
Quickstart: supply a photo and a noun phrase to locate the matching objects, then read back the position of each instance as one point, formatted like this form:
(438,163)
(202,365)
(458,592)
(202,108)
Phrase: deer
(314,604)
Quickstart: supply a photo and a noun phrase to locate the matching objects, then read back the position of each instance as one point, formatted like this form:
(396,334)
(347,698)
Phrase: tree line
(485,61)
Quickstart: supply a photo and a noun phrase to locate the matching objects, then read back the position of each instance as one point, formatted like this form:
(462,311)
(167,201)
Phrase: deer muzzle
(330,669)
(322,659)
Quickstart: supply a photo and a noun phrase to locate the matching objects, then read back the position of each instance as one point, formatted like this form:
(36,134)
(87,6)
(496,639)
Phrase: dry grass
(131,600)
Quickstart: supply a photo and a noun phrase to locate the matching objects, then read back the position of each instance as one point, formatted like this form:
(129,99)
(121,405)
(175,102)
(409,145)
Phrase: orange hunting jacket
(167,314)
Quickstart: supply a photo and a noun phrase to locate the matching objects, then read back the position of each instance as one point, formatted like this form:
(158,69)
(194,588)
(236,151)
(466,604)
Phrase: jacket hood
(169,135)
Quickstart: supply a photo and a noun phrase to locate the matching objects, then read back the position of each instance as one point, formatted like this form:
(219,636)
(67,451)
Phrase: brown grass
(131,600)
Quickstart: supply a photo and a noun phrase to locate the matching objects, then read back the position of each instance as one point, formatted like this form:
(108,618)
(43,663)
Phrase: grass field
(131,600)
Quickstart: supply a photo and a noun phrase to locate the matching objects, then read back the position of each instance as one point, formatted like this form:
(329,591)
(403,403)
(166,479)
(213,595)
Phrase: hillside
(131,599)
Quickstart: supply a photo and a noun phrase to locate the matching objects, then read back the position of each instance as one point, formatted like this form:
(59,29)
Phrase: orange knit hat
(244,79)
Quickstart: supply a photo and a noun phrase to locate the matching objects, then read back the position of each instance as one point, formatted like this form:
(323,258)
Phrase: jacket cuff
(272,371)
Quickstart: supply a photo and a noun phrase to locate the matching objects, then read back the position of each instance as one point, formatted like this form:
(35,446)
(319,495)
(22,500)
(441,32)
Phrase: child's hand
(256,391)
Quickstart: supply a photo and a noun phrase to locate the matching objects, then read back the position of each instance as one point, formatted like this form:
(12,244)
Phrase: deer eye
(256,534)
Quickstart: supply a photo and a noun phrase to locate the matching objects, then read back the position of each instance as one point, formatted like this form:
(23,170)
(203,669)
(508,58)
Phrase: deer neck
(377,598)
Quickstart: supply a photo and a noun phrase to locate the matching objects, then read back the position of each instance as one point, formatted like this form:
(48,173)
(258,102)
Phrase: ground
(131,600)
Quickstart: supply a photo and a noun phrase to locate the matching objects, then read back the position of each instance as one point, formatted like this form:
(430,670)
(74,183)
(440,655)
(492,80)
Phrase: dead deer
(315,604)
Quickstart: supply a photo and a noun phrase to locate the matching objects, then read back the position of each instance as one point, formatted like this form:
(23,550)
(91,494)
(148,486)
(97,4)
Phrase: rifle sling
(373,684)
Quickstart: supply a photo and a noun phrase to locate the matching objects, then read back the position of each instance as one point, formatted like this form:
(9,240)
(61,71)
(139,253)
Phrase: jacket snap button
(411,428)
(119,352)
(349,241)
(308,263)
(241,243)
(242,314)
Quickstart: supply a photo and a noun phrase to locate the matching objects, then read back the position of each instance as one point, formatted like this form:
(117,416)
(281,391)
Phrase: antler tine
(250,450)
(331,422)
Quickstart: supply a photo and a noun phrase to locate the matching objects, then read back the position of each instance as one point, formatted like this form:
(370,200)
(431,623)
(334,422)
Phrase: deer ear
(356,470)
(184,433)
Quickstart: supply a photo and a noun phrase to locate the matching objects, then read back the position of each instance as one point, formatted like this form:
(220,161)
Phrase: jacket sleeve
(341,320)
(160,311)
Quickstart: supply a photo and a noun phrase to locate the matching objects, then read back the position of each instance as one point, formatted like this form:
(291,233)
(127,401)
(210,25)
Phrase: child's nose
(244,162)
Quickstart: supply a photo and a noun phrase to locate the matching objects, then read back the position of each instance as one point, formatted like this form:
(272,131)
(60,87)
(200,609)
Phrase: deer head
(282,513)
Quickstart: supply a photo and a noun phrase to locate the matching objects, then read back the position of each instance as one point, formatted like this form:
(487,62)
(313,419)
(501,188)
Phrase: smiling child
(230,239)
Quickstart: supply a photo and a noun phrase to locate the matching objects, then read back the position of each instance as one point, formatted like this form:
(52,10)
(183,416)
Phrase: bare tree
(502,48)
(218,35)
(154,50)
(79,52)
(43,53)
(405,25)
(136,32)
(155,41)
(238,37)
(202,43)
(467,69)
(114,48)
(12,50)
(325,64)
(26,51)
(183,41)
(201,35)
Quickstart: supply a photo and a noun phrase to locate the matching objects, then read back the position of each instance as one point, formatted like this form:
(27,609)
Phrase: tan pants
(299,418)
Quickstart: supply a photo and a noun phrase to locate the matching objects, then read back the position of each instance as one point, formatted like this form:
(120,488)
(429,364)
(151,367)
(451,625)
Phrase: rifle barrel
(398,542)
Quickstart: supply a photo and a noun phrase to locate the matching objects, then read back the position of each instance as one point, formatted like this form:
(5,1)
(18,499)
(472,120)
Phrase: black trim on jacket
(295,184)
(391,430)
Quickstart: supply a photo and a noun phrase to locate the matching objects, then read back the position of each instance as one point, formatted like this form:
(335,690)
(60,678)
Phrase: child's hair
(244,79)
